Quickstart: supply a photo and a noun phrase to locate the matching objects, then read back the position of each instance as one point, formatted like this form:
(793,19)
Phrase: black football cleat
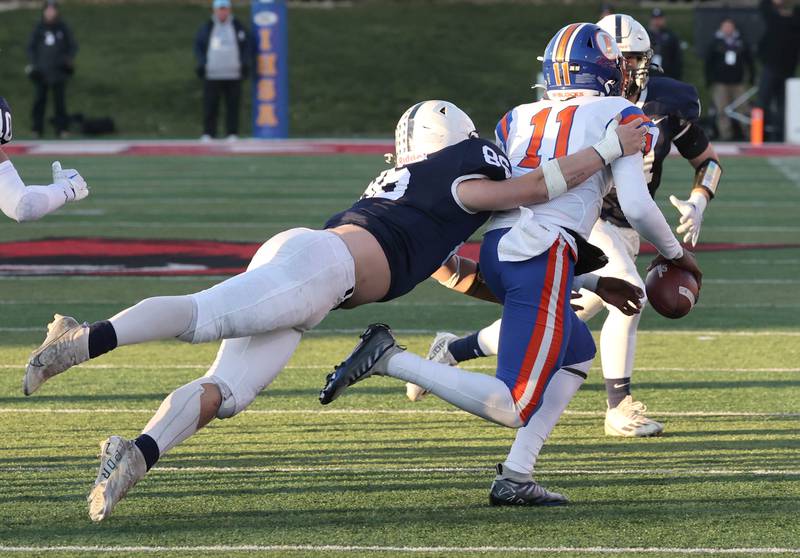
(509,492)
(376,343)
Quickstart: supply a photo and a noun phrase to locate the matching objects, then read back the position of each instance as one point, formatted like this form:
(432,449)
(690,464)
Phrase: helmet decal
(607,45)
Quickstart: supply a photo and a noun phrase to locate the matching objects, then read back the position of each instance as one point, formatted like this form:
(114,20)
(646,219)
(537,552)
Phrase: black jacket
(242,38)
(778,47)
(667,52)
(51,52)
(728,59)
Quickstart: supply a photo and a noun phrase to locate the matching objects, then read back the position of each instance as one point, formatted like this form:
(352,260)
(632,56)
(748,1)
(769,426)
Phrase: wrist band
(553,179)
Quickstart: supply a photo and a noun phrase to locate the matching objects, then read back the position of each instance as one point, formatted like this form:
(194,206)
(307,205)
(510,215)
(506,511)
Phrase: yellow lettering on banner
(266,90)
(266,115)
(265,44)
(268,65)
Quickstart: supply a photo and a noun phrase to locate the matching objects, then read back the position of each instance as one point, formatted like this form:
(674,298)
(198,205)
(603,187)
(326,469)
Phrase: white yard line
(373,468)
(788,168)
(313,412)
(215,549)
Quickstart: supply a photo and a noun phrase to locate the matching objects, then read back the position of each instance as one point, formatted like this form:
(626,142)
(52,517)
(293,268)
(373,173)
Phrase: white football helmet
(428,127)
(634,42)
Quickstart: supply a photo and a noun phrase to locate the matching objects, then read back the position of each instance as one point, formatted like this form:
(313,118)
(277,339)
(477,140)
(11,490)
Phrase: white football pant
(618,336)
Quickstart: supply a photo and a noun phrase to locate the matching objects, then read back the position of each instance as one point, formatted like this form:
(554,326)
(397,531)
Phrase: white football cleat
(66,344)
(122,465)
(628,420)
(438,352)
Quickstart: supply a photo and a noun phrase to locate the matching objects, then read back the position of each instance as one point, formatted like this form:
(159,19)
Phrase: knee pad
(227,407)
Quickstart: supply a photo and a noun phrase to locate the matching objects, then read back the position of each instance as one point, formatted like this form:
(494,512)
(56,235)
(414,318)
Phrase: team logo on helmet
(607,45)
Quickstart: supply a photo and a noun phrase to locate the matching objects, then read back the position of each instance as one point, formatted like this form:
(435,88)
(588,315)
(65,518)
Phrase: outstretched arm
(554,177)
(29,203)
(463,275)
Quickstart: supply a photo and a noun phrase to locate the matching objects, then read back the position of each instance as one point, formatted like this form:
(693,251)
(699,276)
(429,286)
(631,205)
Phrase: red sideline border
(132,257)
(194,148)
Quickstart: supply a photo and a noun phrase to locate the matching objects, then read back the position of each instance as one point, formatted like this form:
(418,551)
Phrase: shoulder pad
(671,97)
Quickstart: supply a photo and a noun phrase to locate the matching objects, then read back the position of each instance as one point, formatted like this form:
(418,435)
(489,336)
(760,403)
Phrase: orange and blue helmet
(583,57)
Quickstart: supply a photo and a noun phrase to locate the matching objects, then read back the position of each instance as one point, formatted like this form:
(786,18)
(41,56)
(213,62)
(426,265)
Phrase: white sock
(177,417)
(162,317)
(530,439)
(479,394)
(489,339)
(618,344)
(27,203)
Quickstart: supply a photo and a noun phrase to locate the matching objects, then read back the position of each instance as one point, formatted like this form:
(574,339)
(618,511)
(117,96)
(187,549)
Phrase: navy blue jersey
(413,213)
(674,107)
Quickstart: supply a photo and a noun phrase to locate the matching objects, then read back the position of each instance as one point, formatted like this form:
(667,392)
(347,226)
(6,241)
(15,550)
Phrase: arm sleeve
(29,203)
(691,142)
(640,209)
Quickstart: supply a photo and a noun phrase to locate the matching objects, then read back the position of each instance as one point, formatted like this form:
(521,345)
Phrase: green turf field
(373,472)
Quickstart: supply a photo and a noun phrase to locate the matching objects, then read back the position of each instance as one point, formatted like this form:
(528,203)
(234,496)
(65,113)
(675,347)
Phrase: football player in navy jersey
(29,203)
(674,107)
(409,221)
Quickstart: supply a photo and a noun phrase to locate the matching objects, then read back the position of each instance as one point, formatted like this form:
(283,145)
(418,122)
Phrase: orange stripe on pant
(555,344)
(534,345)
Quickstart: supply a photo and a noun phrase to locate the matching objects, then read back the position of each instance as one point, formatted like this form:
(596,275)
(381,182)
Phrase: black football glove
(5,122)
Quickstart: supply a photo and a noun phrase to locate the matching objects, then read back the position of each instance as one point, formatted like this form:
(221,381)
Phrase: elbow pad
(707,177)
(692,141)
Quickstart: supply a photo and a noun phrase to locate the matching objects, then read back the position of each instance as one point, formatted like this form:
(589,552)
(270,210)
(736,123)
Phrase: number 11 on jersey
(539,120)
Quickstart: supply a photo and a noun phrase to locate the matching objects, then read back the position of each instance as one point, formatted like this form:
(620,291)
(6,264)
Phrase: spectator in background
(606,9)
(223,53)
(51,53)
(727,60)
(777,51)
(666,45)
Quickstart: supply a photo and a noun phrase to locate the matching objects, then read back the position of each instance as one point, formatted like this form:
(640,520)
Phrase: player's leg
(624,416)
(211,95)
(532,338)
(481,343)
(293,281)
(514,484)
(60,119)
(242,369)
(233,94)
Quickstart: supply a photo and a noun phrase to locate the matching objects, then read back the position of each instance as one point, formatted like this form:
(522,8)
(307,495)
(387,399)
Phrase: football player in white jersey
(409,220)
(528,259)
(674,107)
(29,203)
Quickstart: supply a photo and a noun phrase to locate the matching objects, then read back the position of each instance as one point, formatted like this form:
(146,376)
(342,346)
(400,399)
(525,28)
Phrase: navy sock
(102,338)
(617,390)
(149,449)
(466,348)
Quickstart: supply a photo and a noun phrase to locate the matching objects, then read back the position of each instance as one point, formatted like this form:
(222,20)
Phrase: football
(671,290)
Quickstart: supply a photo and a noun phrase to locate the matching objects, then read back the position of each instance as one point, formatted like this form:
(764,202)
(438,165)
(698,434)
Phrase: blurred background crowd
(344,55)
